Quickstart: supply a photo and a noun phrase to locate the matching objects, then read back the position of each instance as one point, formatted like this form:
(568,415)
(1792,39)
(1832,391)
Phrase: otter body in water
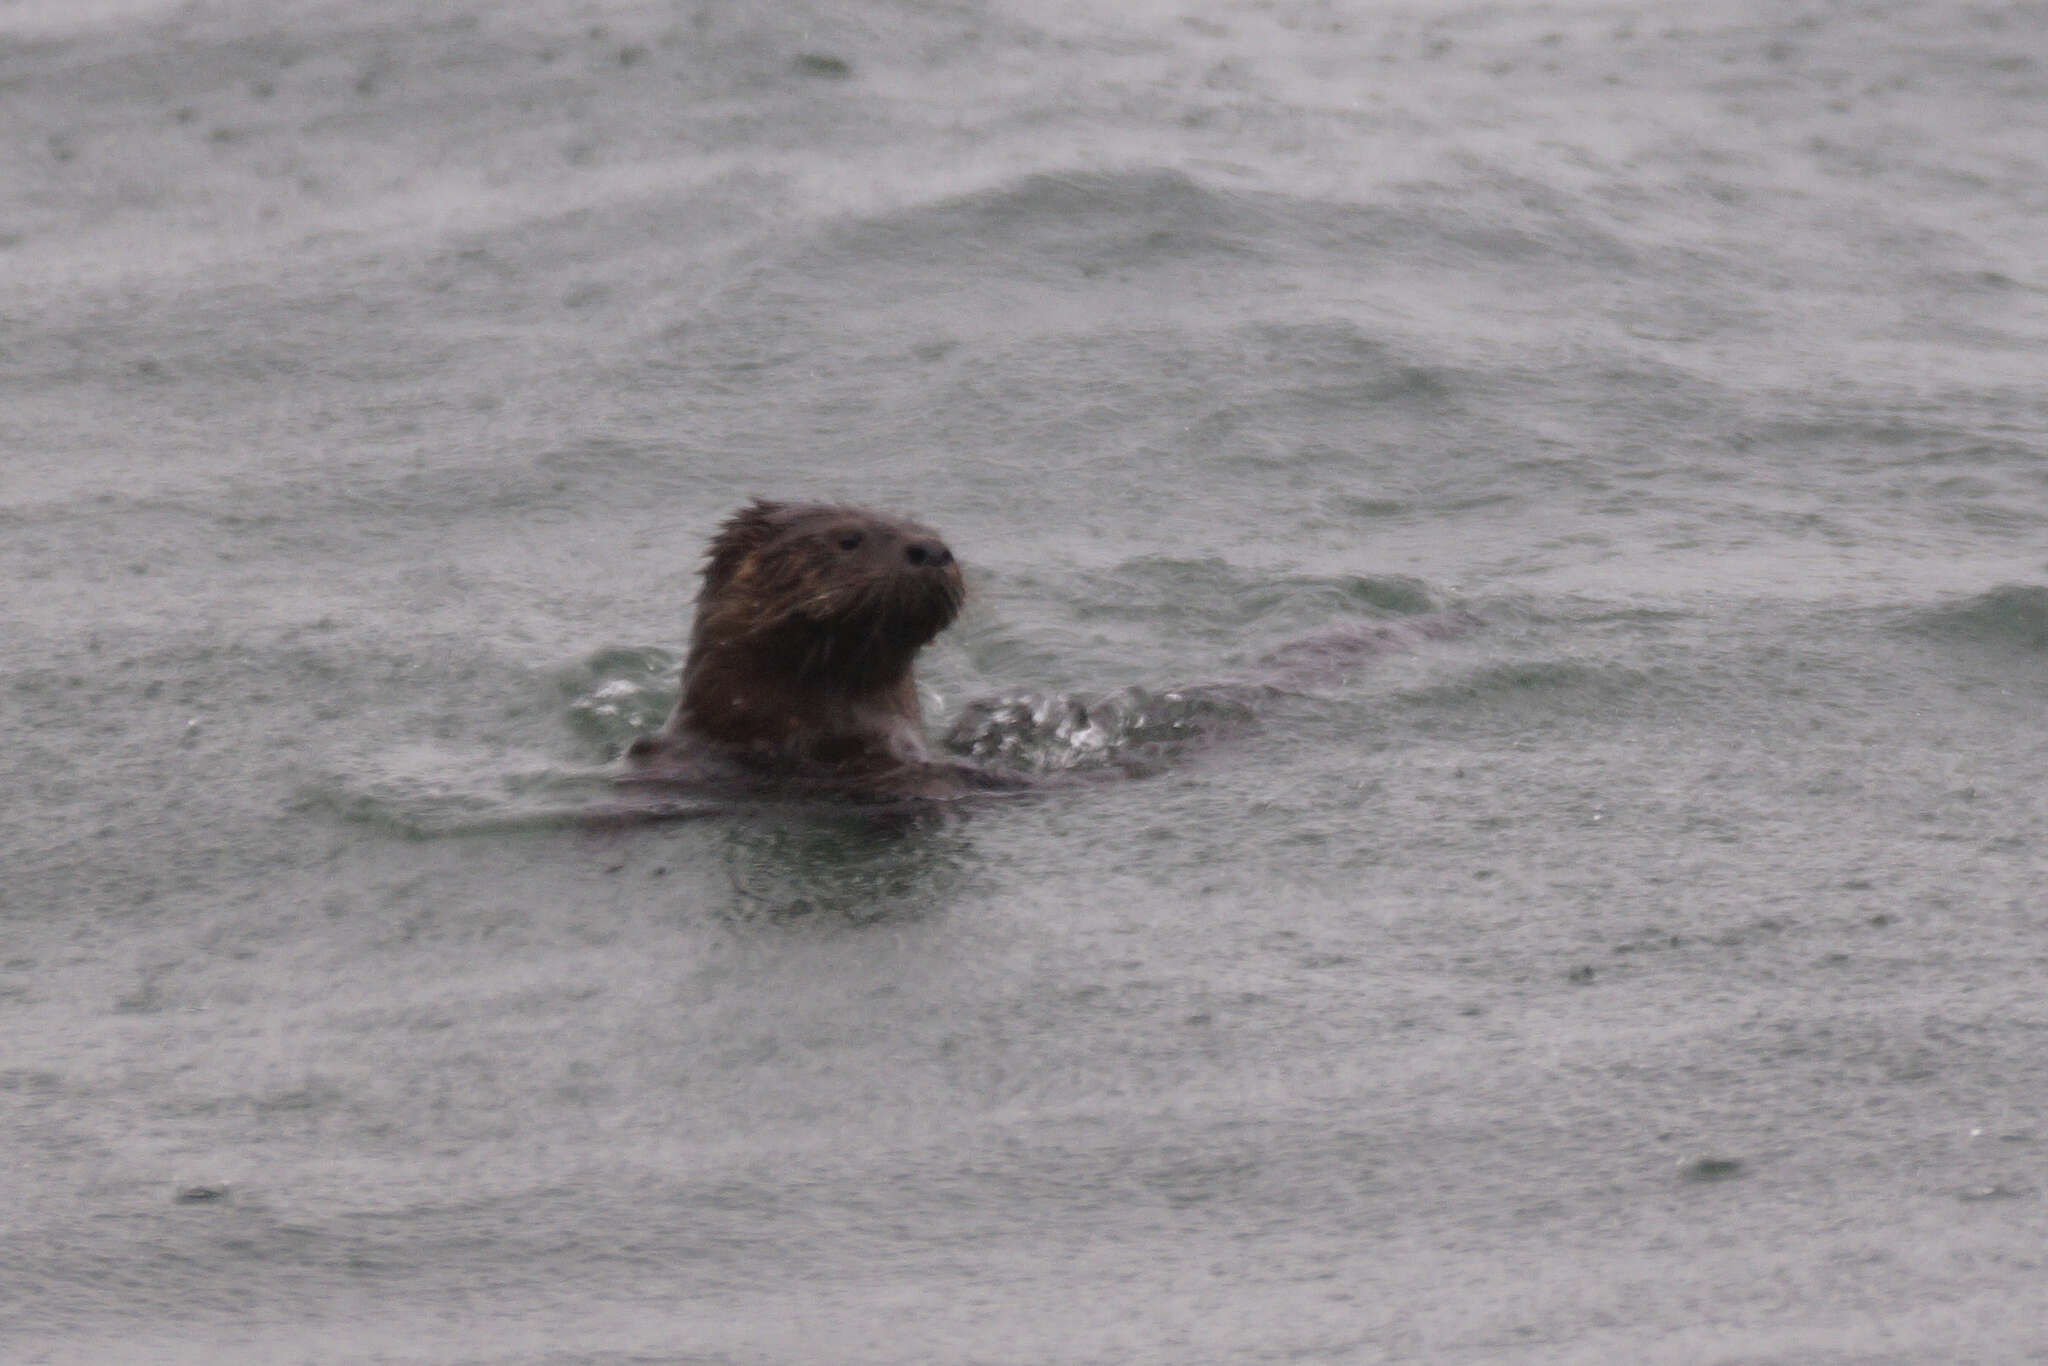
(799,676)
(798,682)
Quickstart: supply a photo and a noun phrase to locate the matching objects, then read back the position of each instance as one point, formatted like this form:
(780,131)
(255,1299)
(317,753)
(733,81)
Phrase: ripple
(429,791)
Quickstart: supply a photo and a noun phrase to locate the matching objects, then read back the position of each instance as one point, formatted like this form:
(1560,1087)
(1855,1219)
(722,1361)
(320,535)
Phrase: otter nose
(928,554)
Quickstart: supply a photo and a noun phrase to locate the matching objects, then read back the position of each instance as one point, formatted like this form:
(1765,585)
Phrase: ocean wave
(1213,590)
(2013,615)
(1563,686)
(1088,230)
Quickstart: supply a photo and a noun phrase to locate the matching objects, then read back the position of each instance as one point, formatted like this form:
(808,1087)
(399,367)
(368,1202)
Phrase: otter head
(807,624)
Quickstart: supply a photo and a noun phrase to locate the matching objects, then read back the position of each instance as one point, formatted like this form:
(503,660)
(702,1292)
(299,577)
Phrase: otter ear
(746,531)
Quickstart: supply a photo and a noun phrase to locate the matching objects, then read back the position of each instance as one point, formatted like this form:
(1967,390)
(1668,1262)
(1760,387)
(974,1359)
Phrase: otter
(799,678)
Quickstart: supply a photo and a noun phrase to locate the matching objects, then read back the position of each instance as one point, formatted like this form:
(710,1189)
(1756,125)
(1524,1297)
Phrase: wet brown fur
(799,675)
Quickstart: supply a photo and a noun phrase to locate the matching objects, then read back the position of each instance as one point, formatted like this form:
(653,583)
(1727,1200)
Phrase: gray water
(1651,974)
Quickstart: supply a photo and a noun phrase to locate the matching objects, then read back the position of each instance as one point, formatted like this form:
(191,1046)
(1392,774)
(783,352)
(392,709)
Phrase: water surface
(1652,974)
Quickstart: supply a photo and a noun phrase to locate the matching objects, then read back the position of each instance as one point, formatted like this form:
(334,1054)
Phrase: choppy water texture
(1651,975)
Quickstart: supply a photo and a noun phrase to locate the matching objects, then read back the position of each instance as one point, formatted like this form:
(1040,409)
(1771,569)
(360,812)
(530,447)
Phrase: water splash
(619,693)
(1131,729)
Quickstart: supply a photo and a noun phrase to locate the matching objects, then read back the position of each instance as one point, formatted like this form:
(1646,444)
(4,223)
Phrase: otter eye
(849,540)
